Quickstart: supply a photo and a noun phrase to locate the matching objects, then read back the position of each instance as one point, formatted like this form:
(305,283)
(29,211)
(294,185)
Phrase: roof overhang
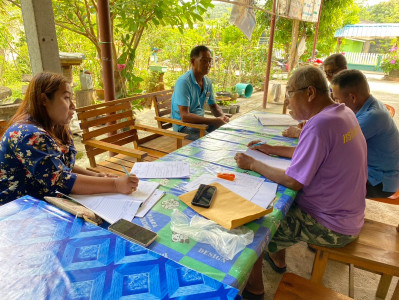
(369,32)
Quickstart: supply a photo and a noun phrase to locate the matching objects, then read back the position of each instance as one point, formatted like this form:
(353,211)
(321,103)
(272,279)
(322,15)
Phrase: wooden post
(106,49)
(316,32)
(269,54)
(294,46)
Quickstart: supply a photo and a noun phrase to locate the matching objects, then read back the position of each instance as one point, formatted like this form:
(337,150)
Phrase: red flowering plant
(391,61)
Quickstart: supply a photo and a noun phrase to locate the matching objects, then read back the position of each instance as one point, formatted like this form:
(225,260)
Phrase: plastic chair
(391,110)
(394,199)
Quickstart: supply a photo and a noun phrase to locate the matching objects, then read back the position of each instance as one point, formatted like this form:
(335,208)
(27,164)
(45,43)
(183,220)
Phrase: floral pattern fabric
(32,163)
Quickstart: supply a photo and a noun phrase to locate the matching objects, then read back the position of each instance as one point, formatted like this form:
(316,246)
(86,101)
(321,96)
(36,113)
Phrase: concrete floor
(299,258)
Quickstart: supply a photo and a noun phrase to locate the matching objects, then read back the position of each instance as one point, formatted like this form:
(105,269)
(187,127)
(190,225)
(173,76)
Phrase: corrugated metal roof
(369,31)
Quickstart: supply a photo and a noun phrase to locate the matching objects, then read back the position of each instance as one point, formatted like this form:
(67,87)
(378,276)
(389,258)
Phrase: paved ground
(299,258)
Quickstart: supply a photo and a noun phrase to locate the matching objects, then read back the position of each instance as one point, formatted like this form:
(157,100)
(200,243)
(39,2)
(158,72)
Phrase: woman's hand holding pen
(126,184)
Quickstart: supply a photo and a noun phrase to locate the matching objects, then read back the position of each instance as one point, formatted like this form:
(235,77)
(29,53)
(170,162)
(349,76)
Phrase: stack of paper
(227,209)
(162,169)
(112,207)
(276,120)
(252,188)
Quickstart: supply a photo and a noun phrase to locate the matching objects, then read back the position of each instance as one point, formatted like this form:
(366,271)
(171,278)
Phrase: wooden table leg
(351,281)
(383,286)
(395,295)
(319,266)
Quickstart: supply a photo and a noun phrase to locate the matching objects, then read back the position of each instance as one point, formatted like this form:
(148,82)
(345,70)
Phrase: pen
(124,169)
(257,144)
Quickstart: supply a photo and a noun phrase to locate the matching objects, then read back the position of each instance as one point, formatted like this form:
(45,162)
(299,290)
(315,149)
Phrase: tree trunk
(294,41)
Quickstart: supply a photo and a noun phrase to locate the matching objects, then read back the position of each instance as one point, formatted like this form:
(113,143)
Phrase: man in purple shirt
(328,169)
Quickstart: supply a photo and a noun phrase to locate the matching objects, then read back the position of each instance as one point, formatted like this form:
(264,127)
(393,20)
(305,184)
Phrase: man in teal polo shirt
(379,129)
(191,91)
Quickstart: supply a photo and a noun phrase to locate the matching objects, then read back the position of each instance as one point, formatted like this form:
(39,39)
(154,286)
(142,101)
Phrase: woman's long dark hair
(32,109)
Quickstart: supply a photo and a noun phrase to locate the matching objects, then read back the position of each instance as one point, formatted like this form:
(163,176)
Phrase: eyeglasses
(288,94)
(330,73)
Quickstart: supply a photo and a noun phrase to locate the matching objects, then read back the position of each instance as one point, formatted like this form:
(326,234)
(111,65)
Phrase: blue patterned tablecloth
(46,253)
(211,154)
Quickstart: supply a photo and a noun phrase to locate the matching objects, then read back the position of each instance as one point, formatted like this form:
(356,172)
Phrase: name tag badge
(207,95)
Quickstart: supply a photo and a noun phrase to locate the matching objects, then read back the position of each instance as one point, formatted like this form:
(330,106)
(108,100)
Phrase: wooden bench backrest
(109,122)
(163,107)
(3,126)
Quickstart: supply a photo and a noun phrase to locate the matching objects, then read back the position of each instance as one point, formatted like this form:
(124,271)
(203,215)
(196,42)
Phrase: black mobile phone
(204,195)
(133,232)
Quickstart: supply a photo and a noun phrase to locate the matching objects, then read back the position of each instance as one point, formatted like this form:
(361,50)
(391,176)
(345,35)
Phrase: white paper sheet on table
(276,120)
(149,203)
(265,194)
(112,207)
(249,187)
(272,161)
(164,169)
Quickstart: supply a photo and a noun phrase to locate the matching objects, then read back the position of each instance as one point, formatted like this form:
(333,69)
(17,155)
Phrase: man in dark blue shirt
(379,129)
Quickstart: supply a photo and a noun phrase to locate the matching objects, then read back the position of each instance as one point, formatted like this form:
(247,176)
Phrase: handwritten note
(245,185)
(109,207)
(112,207)
(164,169)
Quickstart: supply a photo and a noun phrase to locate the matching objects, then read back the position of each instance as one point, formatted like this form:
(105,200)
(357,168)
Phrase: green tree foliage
(235,59)
(14,56)
(391,62)
(334,15)
(129,18)
(384,12)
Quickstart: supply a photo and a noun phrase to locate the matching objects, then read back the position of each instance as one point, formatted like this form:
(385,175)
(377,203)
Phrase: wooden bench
(376,250)
(110,125)
(294,287)
(3,126)
(163,108)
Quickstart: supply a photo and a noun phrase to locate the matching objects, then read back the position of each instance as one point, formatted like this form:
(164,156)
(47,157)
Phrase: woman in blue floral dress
(37,155)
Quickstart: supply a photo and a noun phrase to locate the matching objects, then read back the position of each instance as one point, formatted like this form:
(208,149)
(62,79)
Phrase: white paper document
(112,207)
(162,169)
(149,203)
(276,120)
(272,161)
(244,185)
(265,194)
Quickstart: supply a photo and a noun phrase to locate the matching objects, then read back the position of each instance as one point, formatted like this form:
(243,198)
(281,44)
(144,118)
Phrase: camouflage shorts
(300,226)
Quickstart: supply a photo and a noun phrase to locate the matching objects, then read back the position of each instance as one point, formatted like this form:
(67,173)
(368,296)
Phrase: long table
(210,154)
(46,253)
